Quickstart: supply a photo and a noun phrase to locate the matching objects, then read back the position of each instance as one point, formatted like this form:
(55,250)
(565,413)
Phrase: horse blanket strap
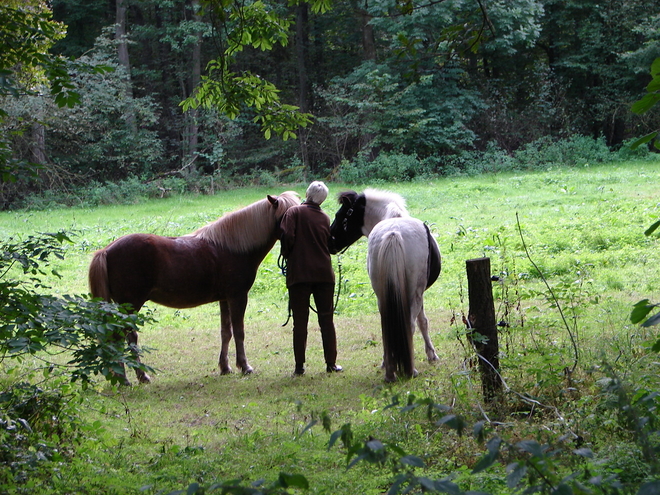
(434,258)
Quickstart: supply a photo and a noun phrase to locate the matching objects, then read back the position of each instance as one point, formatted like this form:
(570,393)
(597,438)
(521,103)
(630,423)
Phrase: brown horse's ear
(272,199)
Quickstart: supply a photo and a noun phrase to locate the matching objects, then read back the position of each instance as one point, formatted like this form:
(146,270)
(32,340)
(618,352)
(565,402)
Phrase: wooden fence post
(481,321)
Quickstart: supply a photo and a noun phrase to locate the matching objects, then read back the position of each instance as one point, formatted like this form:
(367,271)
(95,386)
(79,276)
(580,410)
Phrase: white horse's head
(359,214)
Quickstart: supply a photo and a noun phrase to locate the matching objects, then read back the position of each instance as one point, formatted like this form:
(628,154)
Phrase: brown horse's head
(283,202)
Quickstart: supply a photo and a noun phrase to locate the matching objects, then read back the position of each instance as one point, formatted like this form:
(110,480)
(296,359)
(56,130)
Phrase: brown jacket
(304,237)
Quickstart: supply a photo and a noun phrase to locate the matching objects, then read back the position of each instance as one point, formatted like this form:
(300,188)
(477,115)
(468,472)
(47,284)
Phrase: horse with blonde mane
(218,262)
(403,260)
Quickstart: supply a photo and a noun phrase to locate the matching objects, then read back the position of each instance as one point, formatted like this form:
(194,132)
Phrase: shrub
(395,167)
(36,422)
(32,322)
(492,160)
(577,150)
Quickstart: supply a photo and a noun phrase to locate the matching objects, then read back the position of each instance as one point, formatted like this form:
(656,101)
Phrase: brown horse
(218,262)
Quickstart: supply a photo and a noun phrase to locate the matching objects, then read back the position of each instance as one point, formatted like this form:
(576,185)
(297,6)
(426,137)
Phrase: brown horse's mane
(250,227)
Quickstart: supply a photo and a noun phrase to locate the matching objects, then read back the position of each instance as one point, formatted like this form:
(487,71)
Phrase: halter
(344,222)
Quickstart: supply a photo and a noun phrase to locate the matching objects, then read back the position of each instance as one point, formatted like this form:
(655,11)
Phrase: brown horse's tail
(98,276)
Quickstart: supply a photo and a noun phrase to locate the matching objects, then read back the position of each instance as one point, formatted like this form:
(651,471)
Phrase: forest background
(389,90)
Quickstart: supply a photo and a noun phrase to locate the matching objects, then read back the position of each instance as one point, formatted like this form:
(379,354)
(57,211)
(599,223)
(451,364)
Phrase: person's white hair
(317,192)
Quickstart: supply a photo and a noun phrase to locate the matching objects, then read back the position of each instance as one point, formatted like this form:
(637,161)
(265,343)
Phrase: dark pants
(299,296)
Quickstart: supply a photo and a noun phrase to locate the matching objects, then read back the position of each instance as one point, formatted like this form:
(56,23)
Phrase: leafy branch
(41,325)
(643,105)
(571,332)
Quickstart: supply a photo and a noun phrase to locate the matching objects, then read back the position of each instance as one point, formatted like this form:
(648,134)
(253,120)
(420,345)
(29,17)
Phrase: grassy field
(584,228)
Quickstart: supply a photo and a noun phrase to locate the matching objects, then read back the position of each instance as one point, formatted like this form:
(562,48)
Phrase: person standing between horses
(305,239)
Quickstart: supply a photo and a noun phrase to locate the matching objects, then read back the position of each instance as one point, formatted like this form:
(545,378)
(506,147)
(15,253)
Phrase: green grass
(584,229)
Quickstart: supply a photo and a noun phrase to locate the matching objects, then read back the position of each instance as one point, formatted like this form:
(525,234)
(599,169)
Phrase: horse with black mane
(403,260)
(218,262)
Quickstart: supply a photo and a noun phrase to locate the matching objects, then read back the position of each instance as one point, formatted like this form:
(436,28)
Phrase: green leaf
(375,445)
(293,481)
(654,85)
(640,310)
(563,489)
(655,68)
(333,438)
(411,460)
(588,453)
(643,140)
(453,421)
(652,228)
(493,447)
(644,104)
(479,431)
(515,473)
(309,426)
(446,486)
(650,488)
(653,320)
(531,447)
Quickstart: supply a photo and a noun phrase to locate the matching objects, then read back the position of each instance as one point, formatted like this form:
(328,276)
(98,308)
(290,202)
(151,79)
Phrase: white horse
(403,260)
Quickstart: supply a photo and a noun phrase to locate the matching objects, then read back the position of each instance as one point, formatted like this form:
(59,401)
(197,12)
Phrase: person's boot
(300,370)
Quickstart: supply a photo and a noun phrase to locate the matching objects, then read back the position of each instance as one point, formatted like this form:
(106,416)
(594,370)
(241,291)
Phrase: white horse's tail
(389,281)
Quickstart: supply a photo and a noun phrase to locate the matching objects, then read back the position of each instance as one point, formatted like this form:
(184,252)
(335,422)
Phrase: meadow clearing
(584,228)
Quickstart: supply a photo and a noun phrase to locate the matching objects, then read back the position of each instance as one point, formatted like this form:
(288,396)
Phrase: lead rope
(281,264)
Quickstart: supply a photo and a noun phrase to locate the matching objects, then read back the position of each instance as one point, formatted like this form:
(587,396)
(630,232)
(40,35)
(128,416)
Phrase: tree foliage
(34,323)
(207,80)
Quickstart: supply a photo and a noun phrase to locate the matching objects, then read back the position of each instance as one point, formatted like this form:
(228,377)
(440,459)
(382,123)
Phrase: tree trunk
(120,36)
(302,41)
(482,325)
(122,55)
(193,127)
(38,145)
(368,43)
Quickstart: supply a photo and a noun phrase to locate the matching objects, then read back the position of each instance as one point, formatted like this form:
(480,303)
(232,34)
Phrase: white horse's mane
(381,205)
(250,227)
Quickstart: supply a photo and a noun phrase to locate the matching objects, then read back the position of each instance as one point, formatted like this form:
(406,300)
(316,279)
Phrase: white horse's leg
(423,323)
(225,336)
(388,365)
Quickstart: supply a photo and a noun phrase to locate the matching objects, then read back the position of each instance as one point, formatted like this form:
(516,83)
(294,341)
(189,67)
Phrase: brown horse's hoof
(226,371)
(248,370)
(144,378)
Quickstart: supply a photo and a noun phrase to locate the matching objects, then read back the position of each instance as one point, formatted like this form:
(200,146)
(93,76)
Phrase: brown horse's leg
(225,336)
(237,310)
(132,339)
